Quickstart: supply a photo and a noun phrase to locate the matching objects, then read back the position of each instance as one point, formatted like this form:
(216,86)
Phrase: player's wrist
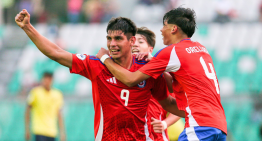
(164,124)
(27,27)
(103,58)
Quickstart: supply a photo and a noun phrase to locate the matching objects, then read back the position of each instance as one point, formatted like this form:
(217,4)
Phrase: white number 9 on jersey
(125,95)
(210,75)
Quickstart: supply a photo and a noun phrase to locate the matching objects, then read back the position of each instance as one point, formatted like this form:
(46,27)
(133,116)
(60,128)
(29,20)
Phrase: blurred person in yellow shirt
(44,104)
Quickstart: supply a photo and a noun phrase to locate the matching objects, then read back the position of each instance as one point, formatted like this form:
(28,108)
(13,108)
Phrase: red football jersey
(155,110)
(120,111)
(191,65)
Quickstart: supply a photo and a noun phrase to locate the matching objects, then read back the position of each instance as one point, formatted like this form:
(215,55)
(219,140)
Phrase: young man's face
(141,45)
(118,44)
(47,82)
(166,33)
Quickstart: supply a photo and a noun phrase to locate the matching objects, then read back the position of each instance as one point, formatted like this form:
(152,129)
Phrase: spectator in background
(45,104)
(74,9)
(111,8)
(93,10)
(224,11)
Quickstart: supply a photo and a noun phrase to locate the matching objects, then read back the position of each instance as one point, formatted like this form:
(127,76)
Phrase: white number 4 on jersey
(210,75)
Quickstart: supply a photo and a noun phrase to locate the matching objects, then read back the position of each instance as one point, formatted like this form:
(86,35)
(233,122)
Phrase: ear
(132,40)
(174,29)
(150,49)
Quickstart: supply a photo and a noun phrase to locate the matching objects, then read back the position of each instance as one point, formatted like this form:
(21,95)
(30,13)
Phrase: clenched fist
(23,18)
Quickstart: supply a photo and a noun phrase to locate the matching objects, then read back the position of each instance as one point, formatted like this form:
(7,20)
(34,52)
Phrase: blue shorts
(202,133)
(43,138)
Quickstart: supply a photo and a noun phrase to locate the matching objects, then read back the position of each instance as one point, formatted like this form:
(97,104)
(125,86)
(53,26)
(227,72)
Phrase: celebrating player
(120,111)
(191,65)
(145,42)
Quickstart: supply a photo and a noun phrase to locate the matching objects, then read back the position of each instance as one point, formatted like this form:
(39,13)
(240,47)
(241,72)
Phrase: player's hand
(27,135)
(23,18)
(158,125)
(102,52)
(146,56)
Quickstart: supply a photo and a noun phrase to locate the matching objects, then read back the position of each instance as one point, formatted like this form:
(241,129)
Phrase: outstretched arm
(48,48)
(128,78)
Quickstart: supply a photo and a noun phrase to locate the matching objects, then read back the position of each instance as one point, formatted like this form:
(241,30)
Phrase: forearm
(169,104)
(27,119)
(43,44)
(61,123)
(171,119)
(128,78)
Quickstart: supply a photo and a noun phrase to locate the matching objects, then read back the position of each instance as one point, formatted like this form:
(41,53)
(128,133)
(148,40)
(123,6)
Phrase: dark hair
(48,74)
(148,34)
(183,18)
(126,25)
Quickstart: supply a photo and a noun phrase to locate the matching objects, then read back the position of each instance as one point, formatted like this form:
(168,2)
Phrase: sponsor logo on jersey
(112,80)
(81,56)
(142,84)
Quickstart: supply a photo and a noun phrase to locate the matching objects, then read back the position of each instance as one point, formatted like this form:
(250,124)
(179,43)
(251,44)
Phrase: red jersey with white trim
(191,65)
(155,110)
(120,111)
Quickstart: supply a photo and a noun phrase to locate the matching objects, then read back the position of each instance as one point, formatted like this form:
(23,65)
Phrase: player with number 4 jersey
(188,62)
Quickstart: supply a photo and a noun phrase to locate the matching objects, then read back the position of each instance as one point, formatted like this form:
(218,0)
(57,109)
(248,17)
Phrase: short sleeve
(159,90)
(31,98)
(166,60)
(81,65)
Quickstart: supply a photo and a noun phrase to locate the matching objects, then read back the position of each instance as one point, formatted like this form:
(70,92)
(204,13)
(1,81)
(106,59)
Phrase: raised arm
(48,48)
(128,78)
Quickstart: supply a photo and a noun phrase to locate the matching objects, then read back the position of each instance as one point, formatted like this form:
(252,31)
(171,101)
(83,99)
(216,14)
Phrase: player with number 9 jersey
(190,64)
(120,111)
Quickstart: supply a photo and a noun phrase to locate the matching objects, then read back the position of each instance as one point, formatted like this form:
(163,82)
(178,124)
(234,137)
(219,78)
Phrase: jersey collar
(185,39)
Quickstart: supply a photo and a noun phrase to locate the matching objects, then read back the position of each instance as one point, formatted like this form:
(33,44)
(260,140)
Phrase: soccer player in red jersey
(191,65)
(120,111)
(145,43)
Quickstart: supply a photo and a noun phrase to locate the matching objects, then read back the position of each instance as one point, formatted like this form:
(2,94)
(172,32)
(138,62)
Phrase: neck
(47,88)
(178,38)
(125,61)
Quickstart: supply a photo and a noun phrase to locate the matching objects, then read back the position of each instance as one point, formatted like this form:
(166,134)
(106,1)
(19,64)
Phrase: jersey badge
(142,84)
(81,56)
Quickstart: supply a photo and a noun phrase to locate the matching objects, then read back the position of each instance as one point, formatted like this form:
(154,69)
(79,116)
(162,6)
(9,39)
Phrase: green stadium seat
(15,84)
